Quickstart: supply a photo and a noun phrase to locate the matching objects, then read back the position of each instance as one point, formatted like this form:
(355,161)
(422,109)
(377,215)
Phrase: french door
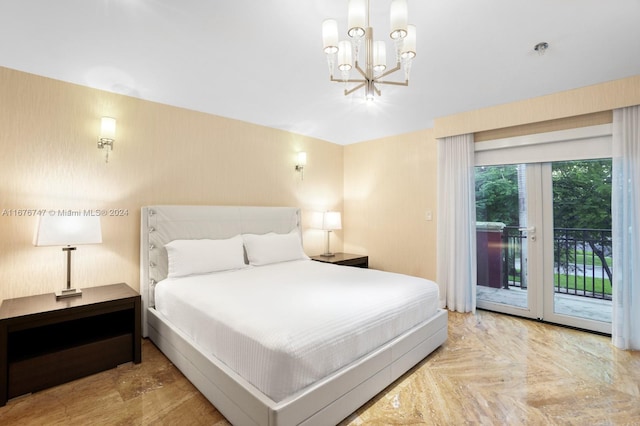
(544,240)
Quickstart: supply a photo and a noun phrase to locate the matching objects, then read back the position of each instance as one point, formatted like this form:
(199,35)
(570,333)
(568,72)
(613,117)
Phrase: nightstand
(346,259)
(45,342)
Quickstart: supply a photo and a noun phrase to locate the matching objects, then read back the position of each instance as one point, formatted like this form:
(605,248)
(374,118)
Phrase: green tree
(582,194)
(582,199)
(497,194)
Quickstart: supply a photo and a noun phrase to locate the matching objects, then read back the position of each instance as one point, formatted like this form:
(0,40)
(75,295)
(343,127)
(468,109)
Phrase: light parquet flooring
(493,370)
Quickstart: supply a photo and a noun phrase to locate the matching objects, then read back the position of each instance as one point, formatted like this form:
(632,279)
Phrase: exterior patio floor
(565,304)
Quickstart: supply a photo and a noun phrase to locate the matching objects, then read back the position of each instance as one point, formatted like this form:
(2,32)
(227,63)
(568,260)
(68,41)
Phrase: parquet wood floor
(493,370)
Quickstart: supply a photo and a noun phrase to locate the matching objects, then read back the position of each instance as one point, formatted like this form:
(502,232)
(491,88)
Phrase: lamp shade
(345,60)
(330,36)
(379,56)
(409,44)
(67,230)
(399,17)
(302,158)
(356,18)
(108,128)
(331,221)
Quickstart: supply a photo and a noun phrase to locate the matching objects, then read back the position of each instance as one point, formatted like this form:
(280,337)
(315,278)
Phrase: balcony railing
(582,261)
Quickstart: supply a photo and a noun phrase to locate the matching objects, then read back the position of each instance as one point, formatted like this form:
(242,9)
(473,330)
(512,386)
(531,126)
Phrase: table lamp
(67,231)
(328,221)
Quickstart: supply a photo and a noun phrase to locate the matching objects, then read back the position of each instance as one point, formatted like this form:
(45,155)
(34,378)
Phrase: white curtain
(625,210)
(456,269)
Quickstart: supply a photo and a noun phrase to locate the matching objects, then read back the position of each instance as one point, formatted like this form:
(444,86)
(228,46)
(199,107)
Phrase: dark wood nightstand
(346,259)
(45,342)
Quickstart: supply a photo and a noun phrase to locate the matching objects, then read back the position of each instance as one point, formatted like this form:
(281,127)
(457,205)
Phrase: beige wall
(390,184)
(587,100)
(163,154)
(594,119)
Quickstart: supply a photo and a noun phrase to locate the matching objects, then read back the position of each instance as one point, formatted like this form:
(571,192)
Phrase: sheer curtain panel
(625,210)
(456,269)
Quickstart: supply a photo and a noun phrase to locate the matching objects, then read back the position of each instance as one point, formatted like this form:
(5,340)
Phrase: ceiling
(261,61)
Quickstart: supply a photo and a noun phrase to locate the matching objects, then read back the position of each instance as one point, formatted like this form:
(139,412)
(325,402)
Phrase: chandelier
(345,53)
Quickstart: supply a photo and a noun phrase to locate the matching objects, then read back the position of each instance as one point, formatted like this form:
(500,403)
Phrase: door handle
(531,232)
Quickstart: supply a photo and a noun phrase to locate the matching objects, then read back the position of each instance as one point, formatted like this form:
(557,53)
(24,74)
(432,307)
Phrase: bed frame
(327,401)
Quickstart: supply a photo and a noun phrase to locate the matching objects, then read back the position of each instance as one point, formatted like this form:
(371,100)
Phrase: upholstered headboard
(163,224)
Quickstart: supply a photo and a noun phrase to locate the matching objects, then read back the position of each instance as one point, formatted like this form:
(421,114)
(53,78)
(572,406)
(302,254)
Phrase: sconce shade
(302,158)
(108,128)
(67,230)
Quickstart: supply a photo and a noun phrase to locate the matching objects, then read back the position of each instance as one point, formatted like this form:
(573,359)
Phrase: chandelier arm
(364,75)
(351,80)
(395,83)
(391,71)
(353,89)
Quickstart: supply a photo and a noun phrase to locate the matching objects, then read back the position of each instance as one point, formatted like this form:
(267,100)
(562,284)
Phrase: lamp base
(328,254)
(68,292)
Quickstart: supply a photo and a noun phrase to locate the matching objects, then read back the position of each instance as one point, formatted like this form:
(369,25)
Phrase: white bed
(327,370)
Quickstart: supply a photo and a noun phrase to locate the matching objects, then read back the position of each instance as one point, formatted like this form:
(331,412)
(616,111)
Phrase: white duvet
(286,325)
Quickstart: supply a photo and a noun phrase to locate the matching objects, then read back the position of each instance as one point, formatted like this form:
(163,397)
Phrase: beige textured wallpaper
(571,103)
(390,188)
(586,120)
(49,161)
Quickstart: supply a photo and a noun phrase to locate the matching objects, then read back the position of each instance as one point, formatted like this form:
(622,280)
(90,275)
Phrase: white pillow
(273,248)
(191,257)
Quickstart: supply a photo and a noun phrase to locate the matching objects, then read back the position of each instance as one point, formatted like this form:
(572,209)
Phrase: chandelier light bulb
(369,93)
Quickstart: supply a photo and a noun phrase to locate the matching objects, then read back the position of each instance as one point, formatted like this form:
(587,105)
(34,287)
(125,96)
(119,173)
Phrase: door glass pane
(582,239)
(501,215)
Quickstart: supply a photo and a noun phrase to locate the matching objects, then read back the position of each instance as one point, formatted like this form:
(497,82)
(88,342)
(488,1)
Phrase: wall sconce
(107,135)
(301,162)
